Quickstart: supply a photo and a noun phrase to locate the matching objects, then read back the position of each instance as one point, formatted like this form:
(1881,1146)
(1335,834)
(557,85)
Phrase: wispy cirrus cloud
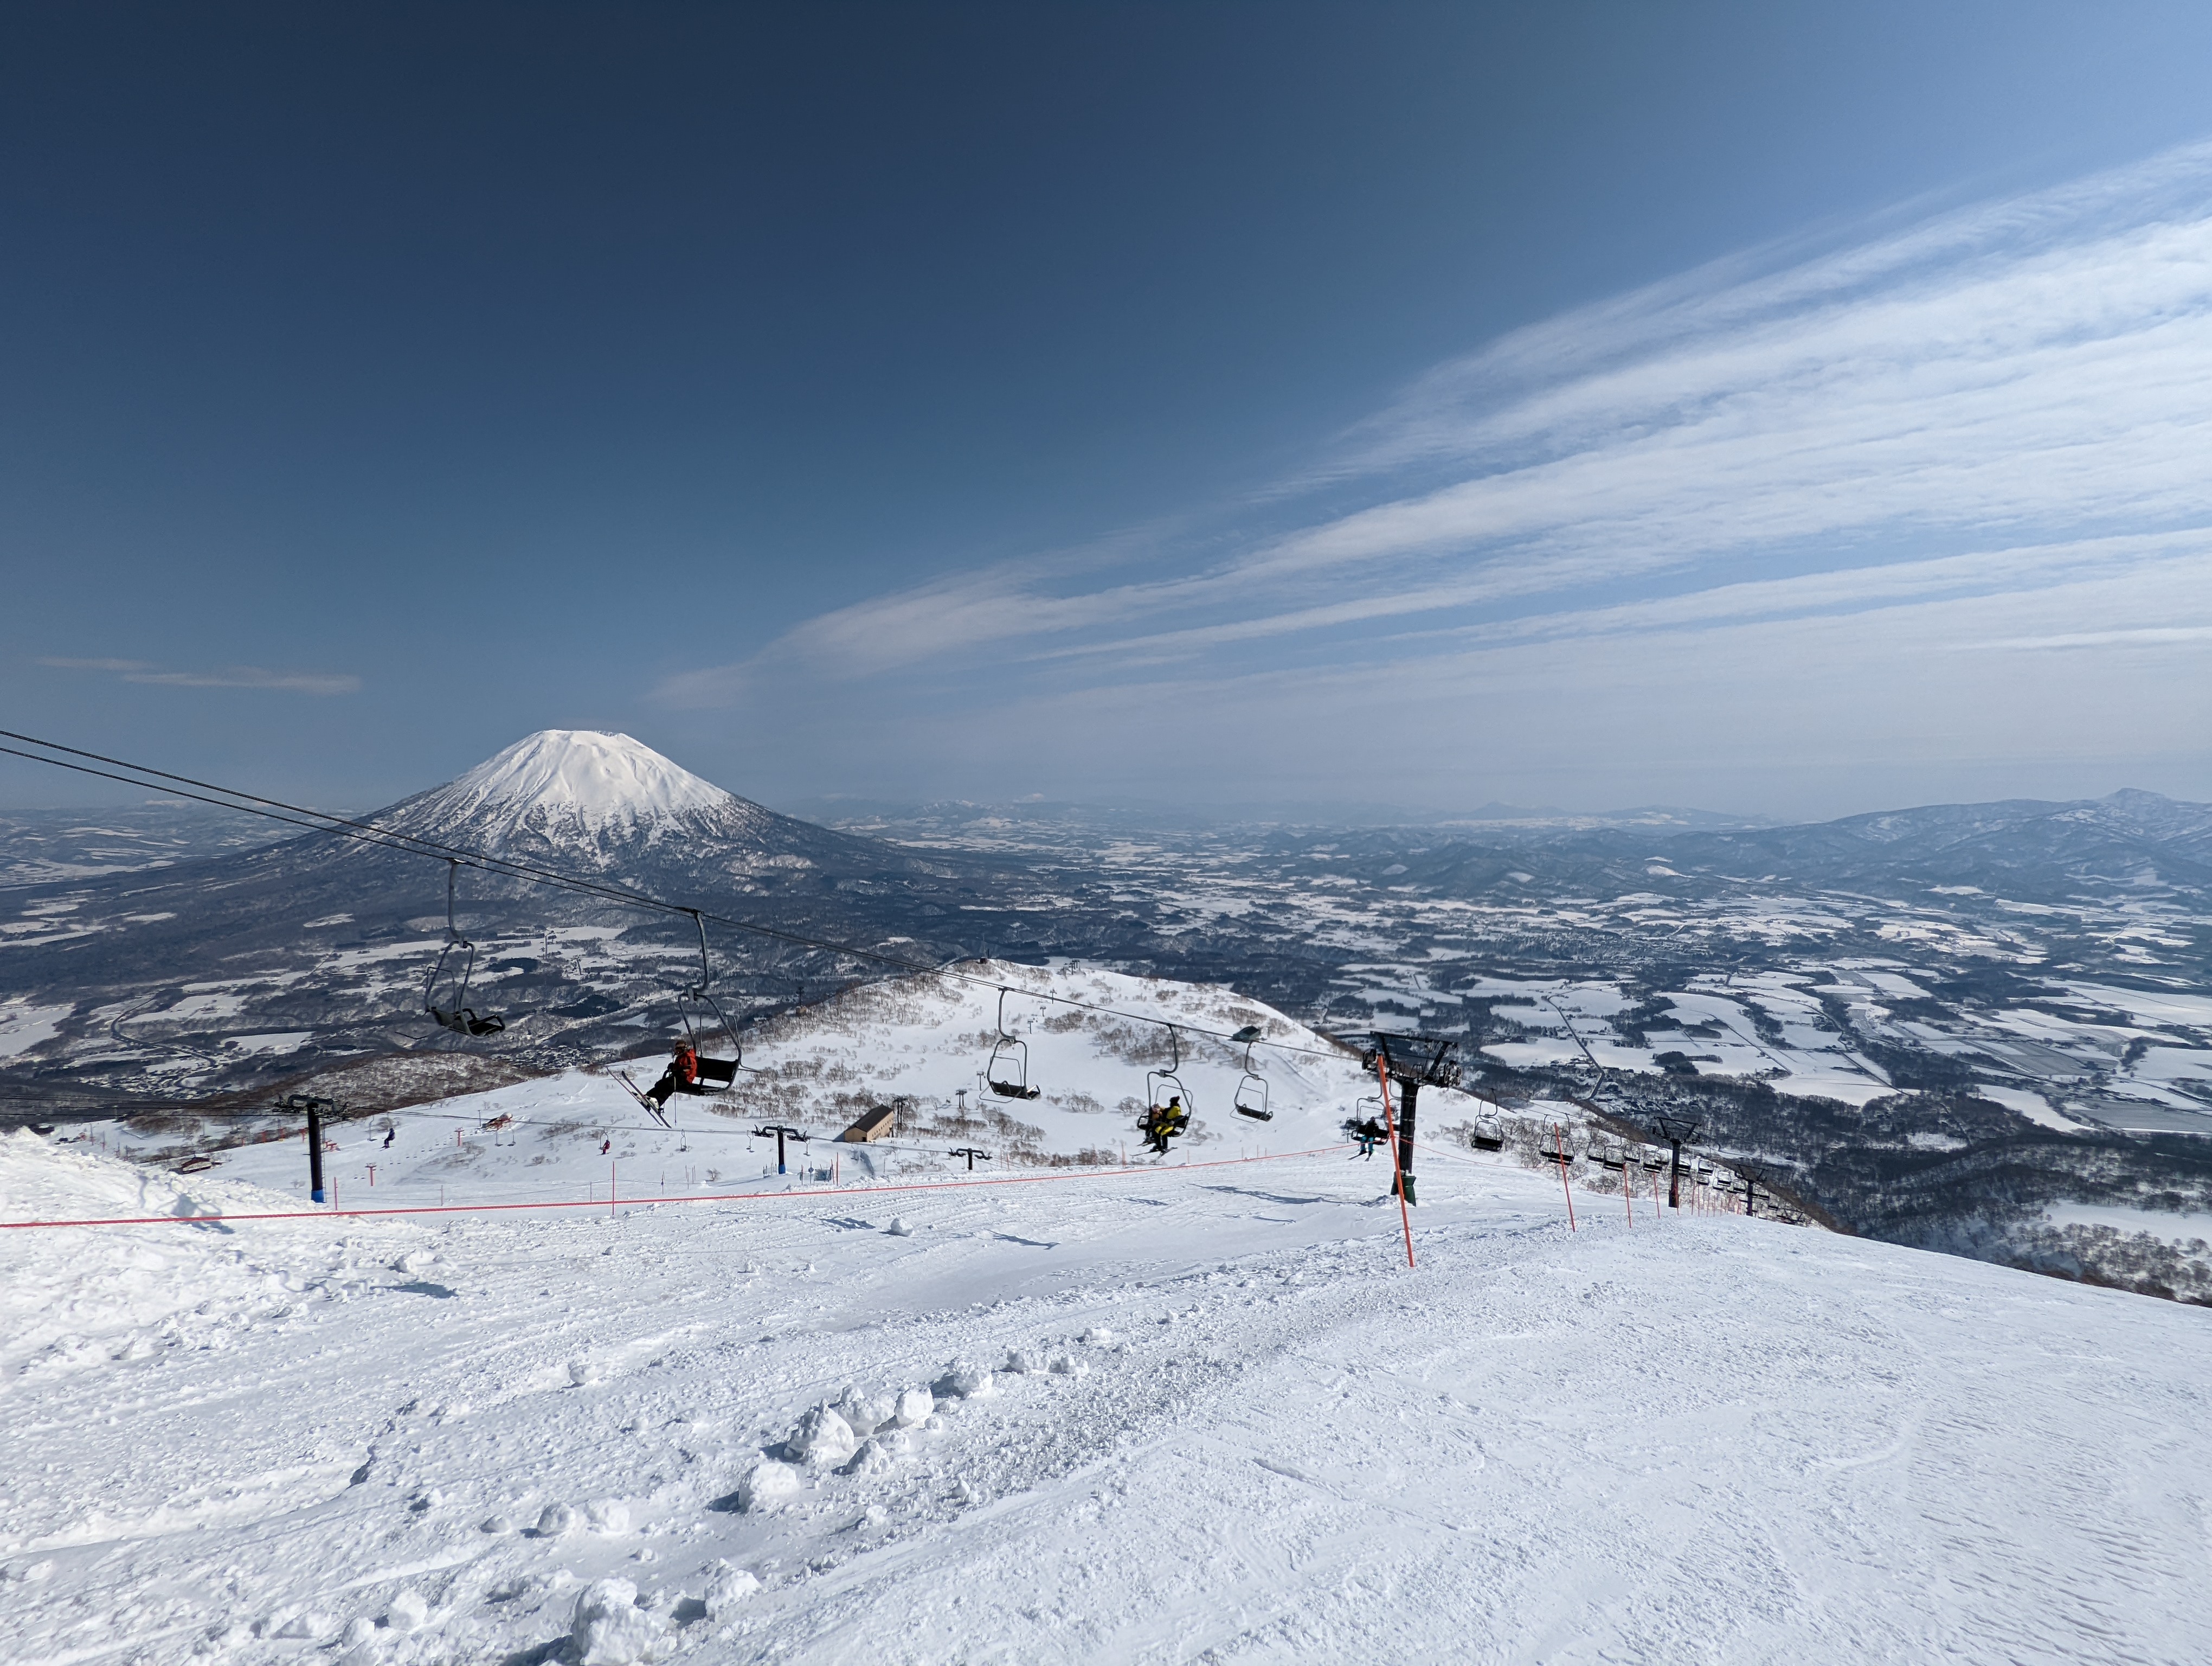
(1994,403)
(229,677)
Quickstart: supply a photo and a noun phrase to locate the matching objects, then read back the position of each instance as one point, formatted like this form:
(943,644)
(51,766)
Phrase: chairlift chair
(1007,1074)
(1560,1153)
(456,1014)
(716,1075)
(1168,1104)
(1251,1095)
(1654,1159)
(1612,1154)
(1364,1127)
(1489,1134)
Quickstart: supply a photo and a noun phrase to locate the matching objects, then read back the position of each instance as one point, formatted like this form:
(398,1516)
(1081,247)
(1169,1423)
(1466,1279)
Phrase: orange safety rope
(1397,1169)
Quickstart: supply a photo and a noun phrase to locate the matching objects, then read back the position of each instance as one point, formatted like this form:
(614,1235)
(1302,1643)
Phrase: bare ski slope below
(1189,1414)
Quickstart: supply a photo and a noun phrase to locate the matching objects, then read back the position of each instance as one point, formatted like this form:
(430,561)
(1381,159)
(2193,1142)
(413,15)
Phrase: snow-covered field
(1202,1412)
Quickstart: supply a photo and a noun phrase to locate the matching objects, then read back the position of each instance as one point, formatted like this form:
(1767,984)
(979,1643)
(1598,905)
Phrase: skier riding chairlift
(681,1076)
(1166,1112)
(689,1070)
(1364,1127)
(1164,1122)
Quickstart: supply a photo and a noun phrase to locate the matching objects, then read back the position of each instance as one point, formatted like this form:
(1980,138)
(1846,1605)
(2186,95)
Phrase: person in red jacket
(682,1072)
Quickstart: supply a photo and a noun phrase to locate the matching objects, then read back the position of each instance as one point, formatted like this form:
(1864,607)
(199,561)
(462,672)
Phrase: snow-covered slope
(1177,1414)
(927,1041)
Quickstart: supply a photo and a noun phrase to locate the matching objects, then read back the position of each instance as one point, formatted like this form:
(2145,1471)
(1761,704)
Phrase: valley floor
(1180,1415)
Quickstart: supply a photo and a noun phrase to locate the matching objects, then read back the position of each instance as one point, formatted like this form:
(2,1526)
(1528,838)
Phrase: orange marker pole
(1397,1169)
(1560,1144)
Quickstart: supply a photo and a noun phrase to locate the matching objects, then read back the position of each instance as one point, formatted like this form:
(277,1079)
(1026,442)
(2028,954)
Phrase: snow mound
(610,1629)
(878,1454)
(865,1412)
(915,1408)
(726,1588)
(768,1485)
(962,1380)
(822,1437)
(409,1611)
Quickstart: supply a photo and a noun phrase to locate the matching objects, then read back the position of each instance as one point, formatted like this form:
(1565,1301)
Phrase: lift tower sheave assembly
(318,1110)
(1677,1132)
(781,1131)
(1413,1063)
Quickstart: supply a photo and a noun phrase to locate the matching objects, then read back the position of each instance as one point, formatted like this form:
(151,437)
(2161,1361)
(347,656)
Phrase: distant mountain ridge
(2128,837)
(2033,850)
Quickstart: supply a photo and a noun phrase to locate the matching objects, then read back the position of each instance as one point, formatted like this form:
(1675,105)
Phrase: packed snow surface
(585,776)
(1183,1413)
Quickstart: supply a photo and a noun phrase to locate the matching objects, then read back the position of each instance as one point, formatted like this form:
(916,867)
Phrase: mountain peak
(576,782)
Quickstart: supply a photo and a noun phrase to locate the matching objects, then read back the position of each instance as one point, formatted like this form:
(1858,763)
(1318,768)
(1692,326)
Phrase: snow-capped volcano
(577,787)
(587,772)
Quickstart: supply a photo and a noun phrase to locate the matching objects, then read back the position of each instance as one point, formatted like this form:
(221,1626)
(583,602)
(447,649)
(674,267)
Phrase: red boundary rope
(712,1197)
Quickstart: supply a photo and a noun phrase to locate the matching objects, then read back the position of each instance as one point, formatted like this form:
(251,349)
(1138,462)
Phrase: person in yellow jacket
(1164,1123)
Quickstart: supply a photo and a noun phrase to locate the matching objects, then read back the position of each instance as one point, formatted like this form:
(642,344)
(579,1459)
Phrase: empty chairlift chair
(1251,1098)
(1489,1134)
(1007,1074)
(454,1013)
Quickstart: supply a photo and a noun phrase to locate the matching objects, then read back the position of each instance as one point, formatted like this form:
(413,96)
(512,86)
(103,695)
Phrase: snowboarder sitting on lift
(682,1072)
(1164,1123)
(1370,1134)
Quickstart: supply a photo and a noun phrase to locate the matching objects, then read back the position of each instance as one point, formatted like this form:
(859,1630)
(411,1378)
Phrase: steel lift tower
(1678,1132)
(1413,1062)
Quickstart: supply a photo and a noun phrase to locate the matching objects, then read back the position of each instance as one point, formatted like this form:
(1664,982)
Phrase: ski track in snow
(1702,1439)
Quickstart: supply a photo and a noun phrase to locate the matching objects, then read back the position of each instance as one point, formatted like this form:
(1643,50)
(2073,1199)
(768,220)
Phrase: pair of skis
(656,1112)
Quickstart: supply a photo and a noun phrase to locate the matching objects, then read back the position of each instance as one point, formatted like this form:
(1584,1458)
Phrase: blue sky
(1794,409)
